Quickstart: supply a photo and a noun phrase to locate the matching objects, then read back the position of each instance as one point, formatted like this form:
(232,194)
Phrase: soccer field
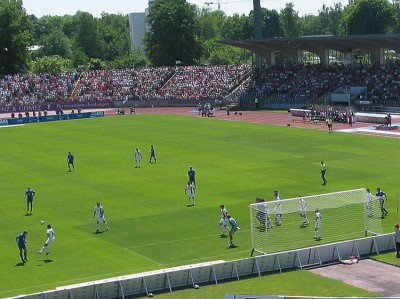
(150,225)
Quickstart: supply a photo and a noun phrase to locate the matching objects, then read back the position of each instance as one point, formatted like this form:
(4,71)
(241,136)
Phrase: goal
(346,215)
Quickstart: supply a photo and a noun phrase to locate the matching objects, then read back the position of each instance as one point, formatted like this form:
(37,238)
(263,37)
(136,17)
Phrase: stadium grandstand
(296,83)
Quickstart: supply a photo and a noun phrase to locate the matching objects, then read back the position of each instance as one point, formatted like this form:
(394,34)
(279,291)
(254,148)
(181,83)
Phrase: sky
(69,7)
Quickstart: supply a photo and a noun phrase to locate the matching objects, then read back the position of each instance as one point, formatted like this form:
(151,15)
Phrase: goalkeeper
(234,228)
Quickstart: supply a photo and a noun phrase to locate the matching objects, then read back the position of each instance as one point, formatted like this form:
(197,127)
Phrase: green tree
(46,25)
(50,64)
(290,21)
(335,15)
(270,23)
(15,37)
(209,23)
(133,59)
(86,34)
(368,17)
(56,43)
(396,12)
(237,27)
(171,36)
(114,36)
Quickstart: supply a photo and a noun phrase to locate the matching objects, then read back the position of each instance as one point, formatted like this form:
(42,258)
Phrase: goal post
(345,215)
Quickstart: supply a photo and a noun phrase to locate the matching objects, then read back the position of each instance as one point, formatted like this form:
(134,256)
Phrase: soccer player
(382,198)
(99,213)
(138,157)
(369,203)
(263,215)
(152,154)
(29,194)
(190,191)
(192,176)
(223,222)
(50,239)
(21,242)
(323,171)
(318,220)
(70,161)
(278,208)
(233,229)
(303,211)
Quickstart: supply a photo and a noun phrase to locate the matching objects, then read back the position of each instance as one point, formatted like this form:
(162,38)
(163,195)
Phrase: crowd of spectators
(194,82)
(318,81)
(202,83)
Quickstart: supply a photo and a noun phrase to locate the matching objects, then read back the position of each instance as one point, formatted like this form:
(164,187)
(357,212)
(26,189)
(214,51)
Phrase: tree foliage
(290,21)
(179,31)
(171,36)
(15,37)
(368,17)
(50,64)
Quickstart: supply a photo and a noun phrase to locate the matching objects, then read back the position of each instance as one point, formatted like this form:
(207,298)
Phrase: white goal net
(281,225)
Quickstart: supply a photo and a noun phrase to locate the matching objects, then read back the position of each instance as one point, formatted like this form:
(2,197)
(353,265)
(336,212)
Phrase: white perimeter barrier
(290,297)
(168,280)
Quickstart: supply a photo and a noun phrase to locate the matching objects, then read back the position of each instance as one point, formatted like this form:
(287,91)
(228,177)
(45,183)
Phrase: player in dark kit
(21,242)
(29,194)
(192,176)
(152,154)
(70,161)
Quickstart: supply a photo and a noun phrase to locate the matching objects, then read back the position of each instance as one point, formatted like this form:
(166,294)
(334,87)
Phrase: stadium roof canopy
(375,44)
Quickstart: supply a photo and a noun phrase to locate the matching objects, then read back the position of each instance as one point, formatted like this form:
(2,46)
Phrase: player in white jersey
(99,213)
(190,191)
(223,222)
(318,221)
(278,209)
(369,203)
(303,211)
(263,215)
(138,157)
(50,239)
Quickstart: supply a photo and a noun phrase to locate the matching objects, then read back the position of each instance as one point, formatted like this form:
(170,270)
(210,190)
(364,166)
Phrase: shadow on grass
(20,264)
(45,261)
(232,247)
(99,232)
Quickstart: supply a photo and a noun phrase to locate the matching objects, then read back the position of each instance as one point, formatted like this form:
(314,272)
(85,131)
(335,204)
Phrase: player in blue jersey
(382,198)
(152,154)
(21,242)
(233,229)
(192,176)
(70,161)
(29,194)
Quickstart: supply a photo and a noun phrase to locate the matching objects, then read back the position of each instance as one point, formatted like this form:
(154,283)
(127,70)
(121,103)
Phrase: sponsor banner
(35,119)
(56,106)
(3,122)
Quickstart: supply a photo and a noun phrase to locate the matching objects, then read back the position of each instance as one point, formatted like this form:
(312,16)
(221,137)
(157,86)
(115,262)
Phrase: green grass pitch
(150,225)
